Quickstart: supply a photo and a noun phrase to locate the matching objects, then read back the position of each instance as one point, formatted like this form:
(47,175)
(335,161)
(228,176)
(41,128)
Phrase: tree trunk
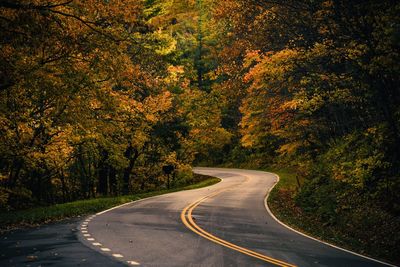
(112,179)
(64,188)
(103,169)
(83,177)
(14,173)
(131,154)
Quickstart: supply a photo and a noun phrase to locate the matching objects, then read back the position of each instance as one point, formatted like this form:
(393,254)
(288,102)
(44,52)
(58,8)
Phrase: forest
(97,96)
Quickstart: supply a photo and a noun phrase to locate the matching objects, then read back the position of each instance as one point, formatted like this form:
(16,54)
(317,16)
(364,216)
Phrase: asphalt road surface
(226,224)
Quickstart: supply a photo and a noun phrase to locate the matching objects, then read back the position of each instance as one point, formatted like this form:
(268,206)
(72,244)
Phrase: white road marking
(90,239)
(84,231)
(133,263)
(315,239)
(134,202)
(105,249)
(87,235)
(104,211)
(96,244)
(118,255)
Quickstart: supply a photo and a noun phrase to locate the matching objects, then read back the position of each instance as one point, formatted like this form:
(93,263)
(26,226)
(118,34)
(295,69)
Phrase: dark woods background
(97,96)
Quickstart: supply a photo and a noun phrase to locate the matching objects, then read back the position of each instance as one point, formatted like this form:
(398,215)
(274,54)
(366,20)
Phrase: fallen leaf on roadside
(31,258)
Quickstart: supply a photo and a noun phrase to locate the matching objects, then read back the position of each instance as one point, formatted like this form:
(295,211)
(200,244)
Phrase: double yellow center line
(187,219)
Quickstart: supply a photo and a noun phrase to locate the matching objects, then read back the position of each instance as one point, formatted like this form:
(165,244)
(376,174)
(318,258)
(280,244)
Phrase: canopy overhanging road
(223,225)
(226,224)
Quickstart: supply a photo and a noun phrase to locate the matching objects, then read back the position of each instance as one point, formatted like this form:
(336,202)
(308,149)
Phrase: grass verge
(40,215)
(281,202)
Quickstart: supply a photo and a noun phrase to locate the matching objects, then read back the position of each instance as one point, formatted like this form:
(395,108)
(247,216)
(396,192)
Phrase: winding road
(223,225)
(226,224)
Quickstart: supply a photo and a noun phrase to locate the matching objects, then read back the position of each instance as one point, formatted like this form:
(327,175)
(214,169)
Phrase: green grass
(287,179)
(40,215)
(281,201)
(282,204)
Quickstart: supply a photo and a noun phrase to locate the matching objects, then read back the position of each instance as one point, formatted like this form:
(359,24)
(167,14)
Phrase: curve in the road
(231,214)
(91,240)
(187,219)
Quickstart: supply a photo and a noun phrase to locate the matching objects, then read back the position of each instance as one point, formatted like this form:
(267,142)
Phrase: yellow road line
(186,217)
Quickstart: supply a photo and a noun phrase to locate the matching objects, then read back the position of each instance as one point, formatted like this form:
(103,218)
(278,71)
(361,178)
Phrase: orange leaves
(268,105)
(175,73)
(159,103)
(126,10)
(292,104)
(270,67)
(290,148)
(252,57)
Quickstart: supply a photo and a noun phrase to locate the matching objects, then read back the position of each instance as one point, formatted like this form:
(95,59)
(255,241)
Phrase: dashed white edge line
(310,237)
(85,223)
(87,236)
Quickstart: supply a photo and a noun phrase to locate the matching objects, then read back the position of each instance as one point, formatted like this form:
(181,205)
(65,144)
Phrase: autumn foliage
(90,103)
(97,96)
(318,90)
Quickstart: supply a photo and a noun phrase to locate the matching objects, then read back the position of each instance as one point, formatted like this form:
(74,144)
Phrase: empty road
(226,224)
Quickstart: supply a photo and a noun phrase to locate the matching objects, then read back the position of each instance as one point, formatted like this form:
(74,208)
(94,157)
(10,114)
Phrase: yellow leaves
(209,138)
(164,43)
(292,104)
(139,138)
(355,51)
(25,132)
(175,73)
(159,103)
(269,104)
(321,49)
(152,104)
(221,137)
(59,150)
(327,4)
(127,10)
(171,159)
(372,130)
(290,148)
(176,69)
(7,50)
(313,103)
(202,112)
(94,104)
(56,153)
(253,56)
(271,67)
(247,140)
(151,117)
